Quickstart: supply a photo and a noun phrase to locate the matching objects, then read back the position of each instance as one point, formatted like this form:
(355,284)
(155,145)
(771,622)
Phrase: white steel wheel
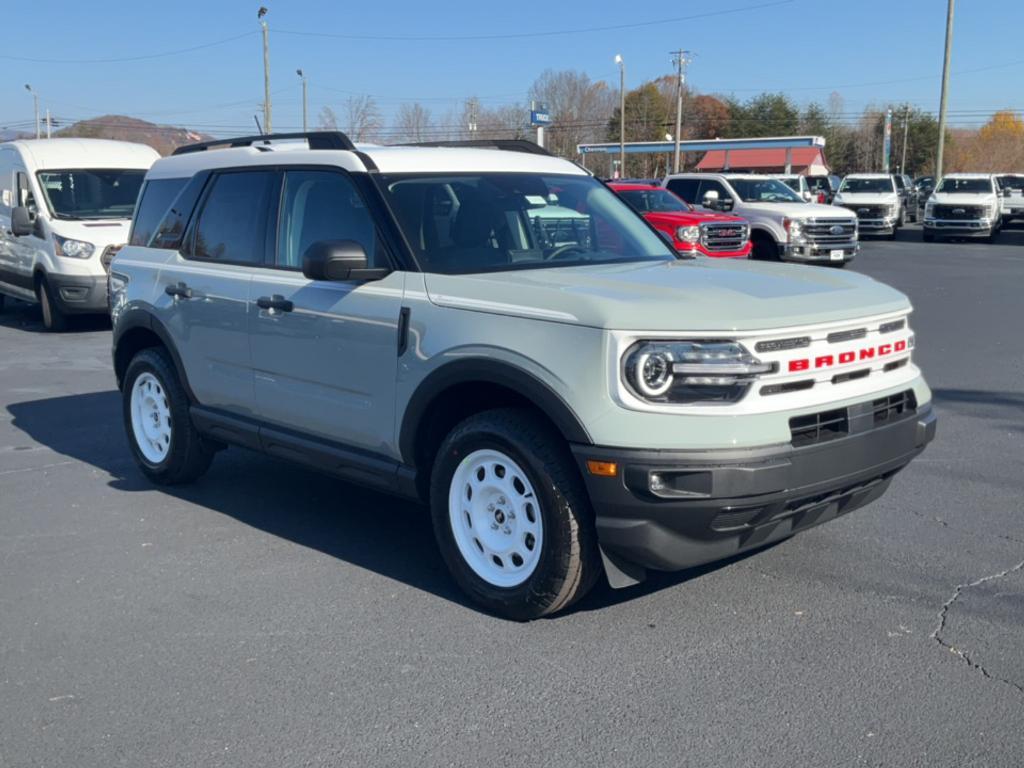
(150,418)
(495,518)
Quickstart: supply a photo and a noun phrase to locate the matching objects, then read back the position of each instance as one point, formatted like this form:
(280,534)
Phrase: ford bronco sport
(568,394)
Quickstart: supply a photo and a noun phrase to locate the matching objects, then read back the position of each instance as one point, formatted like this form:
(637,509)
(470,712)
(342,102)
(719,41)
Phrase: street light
(305,110)
(267,127)
(35,101)
(622,114)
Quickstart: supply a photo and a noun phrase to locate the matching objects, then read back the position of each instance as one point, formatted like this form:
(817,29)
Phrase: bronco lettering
(827,361)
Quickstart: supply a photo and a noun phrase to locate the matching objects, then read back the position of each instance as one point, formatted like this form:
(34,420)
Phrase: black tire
(3,302)
(188,455)
(569,561)
(892,235)
(927,238)
(54,318)
(993,235)
(764,249)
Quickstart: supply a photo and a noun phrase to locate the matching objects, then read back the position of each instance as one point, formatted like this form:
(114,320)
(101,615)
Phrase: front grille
(894,325)
(723,237)
(958,212)
(890,408)
(870,211)
(819,427)
(782,345)
(840,336)
(830,231)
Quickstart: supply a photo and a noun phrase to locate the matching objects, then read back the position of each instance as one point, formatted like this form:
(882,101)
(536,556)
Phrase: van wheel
(53,318)
(166,445)
(511,516)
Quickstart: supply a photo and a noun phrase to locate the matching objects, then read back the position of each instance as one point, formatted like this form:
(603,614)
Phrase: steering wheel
(565,249)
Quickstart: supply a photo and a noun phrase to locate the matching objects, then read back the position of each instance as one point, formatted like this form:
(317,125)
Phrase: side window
(323,205)
(232,223)
(708,185)
(684,188)
(24,194)
(154,201)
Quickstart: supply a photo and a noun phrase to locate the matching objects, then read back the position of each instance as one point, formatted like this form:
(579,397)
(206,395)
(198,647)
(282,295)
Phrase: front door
(326,364)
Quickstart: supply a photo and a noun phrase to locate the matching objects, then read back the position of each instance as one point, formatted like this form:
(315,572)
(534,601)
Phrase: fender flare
(137,317)
(487,371)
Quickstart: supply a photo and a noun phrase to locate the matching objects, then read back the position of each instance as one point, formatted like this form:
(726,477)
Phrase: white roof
(968,175)
(84,153)
(387,159)
(867,176)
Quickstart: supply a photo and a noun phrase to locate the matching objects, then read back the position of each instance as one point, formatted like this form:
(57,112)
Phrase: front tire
(54,318)
(166,445)
(927,237)
(511,516)
(764,249)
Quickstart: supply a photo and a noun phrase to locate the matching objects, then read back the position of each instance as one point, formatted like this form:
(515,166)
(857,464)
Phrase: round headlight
(652,372)
(688,234)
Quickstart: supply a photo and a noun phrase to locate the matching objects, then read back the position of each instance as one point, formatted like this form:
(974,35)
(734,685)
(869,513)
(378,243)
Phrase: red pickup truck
(692,231)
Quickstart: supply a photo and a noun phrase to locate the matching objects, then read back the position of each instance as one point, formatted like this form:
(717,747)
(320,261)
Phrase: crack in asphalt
(944,614)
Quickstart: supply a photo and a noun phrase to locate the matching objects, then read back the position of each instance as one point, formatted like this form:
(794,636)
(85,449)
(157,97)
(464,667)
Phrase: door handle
(179,291)
(275,302)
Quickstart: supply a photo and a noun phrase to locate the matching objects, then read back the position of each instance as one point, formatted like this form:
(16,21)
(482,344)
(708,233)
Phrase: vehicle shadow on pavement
(20,316)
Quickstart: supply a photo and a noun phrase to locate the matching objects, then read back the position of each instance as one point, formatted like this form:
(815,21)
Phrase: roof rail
(316,139)
(508,145)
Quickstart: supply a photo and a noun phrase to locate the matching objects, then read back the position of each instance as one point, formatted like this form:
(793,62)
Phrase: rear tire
(511,516)
(164,441)
(54,318)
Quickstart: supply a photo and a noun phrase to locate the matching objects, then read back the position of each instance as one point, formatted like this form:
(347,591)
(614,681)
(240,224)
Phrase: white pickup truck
(782,224)
(1011,186)
(875,200)
(964,205)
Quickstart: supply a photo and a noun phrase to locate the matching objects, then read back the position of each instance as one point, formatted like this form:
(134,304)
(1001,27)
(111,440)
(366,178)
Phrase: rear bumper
(79,294)
(711,505)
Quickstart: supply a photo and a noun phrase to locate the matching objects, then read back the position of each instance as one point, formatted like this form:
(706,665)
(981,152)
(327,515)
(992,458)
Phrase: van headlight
(688,234)
(73,249)
(690,371)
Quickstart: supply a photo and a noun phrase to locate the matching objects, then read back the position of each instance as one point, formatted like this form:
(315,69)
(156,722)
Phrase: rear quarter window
(154,202)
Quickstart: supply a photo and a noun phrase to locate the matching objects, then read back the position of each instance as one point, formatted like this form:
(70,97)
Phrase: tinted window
(157,196)
(91,193)
(764,190)
(653,200)
(232,223)
(900,184)
(684,188)
(867,186)
(322,205)
(965,186)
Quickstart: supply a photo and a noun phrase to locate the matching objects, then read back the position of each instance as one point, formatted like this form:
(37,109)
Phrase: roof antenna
(258,126)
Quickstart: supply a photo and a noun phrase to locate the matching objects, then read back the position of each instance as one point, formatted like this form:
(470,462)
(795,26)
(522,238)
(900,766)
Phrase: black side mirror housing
(338,260)
(23,221)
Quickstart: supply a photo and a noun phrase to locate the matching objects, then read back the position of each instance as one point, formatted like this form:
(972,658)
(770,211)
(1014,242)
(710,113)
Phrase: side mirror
(23,221)
(710,199)
(807,196)
(338,260)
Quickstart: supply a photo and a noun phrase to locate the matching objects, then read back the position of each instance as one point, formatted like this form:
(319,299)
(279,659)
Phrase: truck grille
(830,231)
(869,211)
(723,237)
(958,212)
(815,428)
(819,427)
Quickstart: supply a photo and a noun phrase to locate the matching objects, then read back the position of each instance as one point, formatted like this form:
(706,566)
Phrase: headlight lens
(688,234)
(894,209)
(795,229)
(691,371)
(73,249)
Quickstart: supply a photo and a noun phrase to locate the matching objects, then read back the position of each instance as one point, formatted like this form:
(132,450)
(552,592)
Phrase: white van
(65,208)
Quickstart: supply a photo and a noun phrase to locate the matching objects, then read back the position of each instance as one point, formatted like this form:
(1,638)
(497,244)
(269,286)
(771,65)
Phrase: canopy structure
(773,154)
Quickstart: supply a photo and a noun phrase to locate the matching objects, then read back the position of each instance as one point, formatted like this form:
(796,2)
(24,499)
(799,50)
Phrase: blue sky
(806,48)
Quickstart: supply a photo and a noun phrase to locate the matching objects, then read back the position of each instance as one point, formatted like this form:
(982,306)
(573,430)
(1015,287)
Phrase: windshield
(92,193)
(965,186)
(867,186)
(653,200)
(461,224)
(1011,182)
(793,183)
(764,191)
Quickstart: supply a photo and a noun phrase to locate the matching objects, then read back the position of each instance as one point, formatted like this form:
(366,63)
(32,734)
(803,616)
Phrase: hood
(866,198)
(690,295)
(799,210)
(681,219)
(99,232)
(963,198)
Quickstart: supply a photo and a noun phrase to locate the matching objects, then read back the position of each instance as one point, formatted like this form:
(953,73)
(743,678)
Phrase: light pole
(680,59)
(35,101)
(906,127)
(266,69)
(305,103)
(945,90)
(622,114)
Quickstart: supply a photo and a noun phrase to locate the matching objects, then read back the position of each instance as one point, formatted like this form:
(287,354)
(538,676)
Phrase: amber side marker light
(603,468)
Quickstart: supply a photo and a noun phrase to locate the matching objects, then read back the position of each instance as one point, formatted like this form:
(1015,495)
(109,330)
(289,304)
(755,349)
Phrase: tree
(647,119)
(578,107)
(1003,125)
(413,123)
(362,118)
(706,118)
(768,114)
(327,120)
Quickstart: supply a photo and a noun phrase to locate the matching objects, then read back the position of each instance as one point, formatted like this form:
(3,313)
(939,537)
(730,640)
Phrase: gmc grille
(723,237)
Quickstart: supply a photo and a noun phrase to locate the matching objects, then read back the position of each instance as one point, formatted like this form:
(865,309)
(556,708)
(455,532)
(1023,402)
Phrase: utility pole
(266,69)
(472,119)
(945,91)
(35,101)
(47,122)
(622,114)
(887,141)
(305,103)
(680,59)
(906,126)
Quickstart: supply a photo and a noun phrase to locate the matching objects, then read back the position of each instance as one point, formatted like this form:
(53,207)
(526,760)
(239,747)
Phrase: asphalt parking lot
(272,616)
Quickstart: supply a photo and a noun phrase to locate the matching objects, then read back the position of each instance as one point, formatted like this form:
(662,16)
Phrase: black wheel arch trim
(141,318)
(488,371)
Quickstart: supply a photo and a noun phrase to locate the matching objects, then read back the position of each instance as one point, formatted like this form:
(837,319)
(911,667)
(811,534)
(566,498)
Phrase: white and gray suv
(493,332)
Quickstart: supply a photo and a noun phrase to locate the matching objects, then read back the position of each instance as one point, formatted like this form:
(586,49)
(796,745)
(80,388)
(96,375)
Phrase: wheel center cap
(499,517)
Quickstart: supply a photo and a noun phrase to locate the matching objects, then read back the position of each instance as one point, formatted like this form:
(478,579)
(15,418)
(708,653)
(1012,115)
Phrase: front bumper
(809,251)
(715,504)
(79,294)
(960,227)
(877,226)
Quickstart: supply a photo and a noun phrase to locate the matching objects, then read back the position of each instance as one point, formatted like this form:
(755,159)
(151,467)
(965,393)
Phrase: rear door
(326,365)
(204,290)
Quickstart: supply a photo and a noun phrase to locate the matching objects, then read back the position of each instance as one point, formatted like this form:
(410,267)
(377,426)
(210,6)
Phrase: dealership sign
(539,115)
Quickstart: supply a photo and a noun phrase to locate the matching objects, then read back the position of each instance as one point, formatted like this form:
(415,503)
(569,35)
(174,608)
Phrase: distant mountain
(163,138)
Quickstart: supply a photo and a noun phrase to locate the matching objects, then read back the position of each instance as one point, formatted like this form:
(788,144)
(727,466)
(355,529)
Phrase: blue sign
(539,115)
